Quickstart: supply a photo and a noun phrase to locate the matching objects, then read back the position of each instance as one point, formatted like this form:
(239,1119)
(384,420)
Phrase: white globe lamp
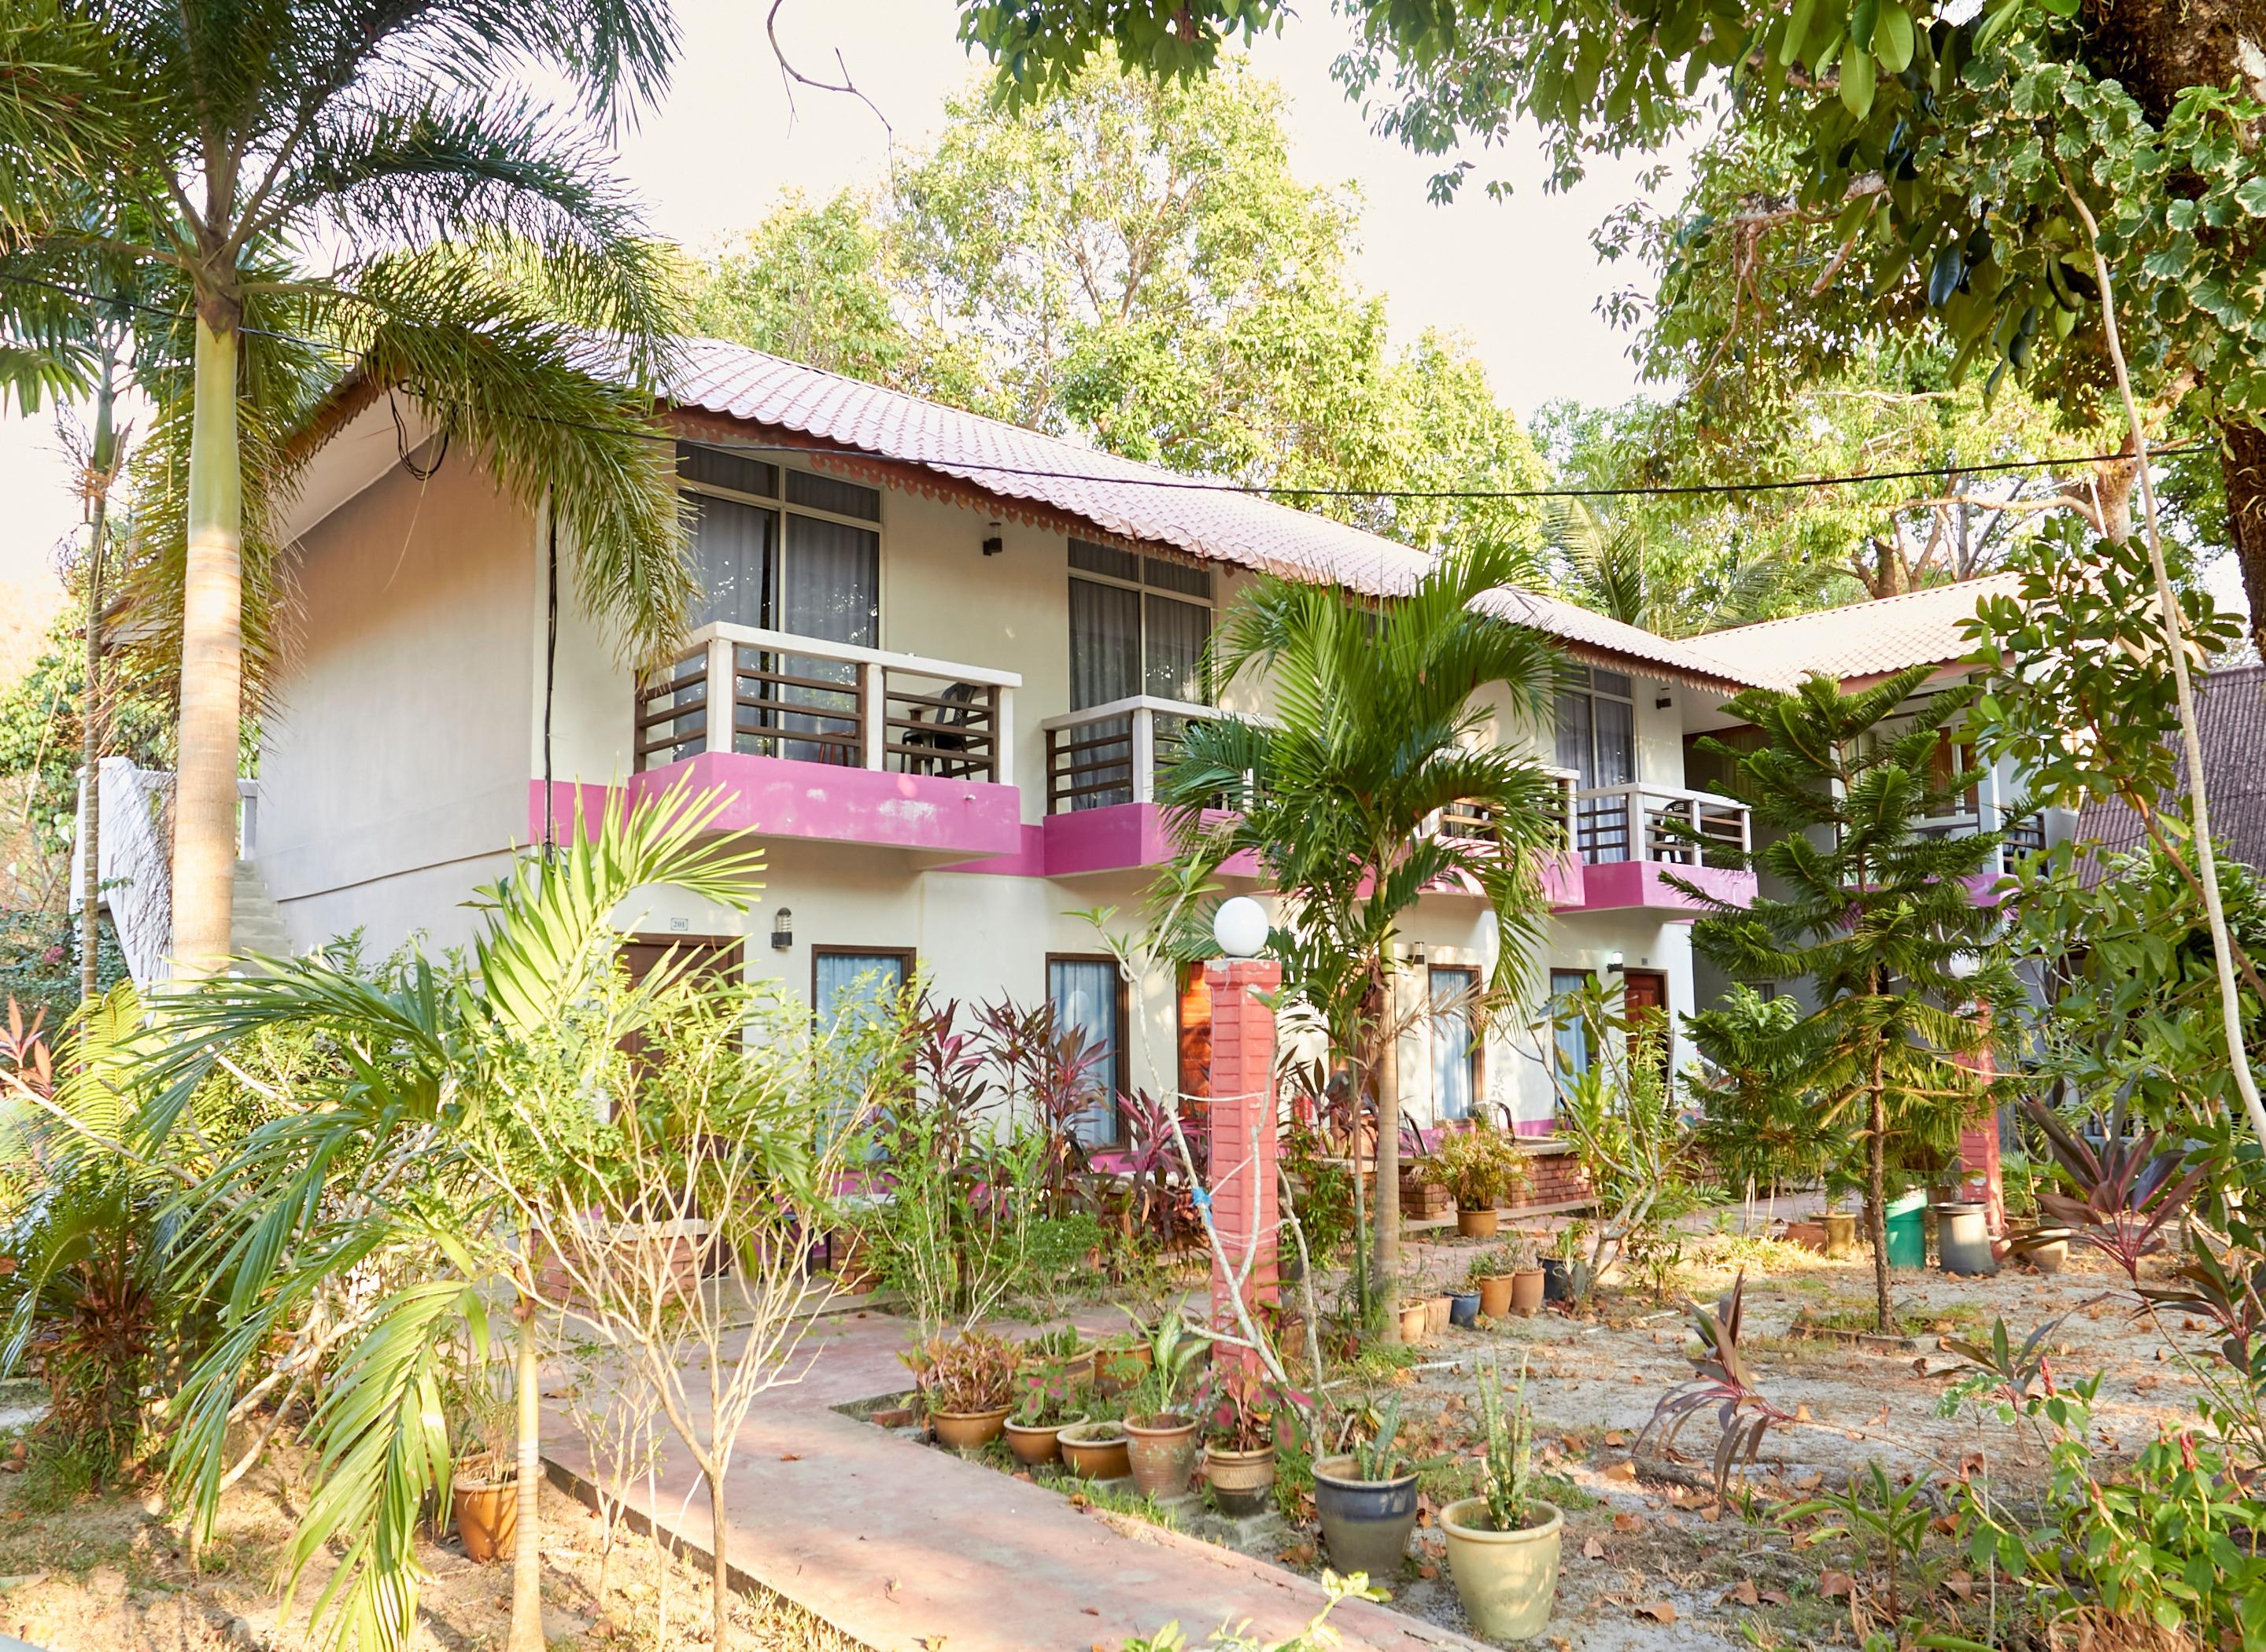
(1240,926)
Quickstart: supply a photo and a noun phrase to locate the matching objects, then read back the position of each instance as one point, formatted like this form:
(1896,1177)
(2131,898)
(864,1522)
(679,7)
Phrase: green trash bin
(1907,1239)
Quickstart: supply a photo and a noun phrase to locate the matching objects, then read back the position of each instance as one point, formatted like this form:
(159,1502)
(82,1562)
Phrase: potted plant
(1043,1409)
(1415,1319)
(1464,1305)
(484,1486)
(1528,1284)
(1239,1412)
(1490,1274)
(1162,1438)
(1478,1167)
(968,1384)
(1558,1267)
(1367,1500)
(1096,1449)
(1502,1545)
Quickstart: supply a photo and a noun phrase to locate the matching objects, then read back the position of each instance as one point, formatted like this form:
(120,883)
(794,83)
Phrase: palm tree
(352,173)
(1378,727)
(376,1168)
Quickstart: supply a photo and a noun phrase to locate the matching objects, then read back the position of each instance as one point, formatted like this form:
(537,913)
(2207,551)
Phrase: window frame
(907,958)
(781,508)
(1121,1059)
(1145,590)
(1586,686)
(1474,1038)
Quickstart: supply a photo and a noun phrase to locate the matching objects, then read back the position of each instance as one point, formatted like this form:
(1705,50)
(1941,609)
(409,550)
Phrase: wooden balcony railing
(770,694)
(1475,820)
(1664,825)
(1110,754)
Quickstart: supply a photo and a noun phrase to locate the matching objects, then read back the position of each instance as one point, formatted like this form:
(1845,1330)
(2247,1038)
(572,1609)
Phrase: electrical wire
(1195,484)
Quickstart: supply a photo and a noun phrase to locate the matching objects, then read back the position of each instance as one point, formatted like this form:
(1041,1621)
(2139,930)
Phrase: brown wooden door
(1644,997)
(716,955)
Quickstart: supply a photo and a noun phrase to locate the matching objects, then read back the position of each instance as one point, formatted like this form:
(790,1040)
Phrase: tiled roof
(1122,497)
(1864,639)
(1596,639)
(2231,722)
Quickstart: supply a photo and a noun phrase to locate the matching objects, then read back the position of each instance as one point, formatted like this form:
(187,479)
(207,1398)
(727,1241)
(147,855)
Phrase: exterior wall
(391,767)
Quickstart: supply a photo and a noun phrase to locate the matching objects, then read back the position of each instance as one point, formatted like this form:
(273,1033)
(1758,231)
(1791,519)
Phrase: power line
(1195,484)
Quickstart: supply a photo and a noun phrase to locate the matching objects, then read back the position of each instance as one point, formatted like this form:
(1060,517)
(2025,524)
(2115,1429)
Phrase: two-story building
(935,662)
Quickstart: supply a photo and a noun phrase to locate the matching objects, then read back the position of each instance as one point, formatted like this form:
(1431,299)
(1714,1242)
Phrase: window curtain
(734,556)
(1104,644)
(1177,634)
(1085,996)
(1452,1043)
(832,590)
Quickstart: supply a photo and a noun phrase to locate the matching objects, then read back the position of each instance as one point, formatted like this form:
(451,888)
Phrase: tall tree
(1377,727)
(1925,168)
(470,237)
(1138,265)
(1880,924)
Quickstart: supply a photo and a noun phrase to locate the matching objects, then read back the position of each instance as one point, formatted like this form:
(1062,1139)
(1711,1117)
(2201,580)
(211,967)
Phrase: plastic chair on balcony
(950,749)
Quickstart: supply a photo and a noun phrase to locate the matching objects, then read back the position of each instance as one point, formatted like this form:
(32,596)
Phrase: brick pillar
(1244,1204)
(1978,1151)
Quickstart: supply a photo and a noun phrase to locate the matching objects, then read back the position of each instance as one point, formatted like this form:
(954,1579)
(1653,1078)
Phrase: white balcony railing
(1110,754)
(772,694)
(2025,835)
(1662,825)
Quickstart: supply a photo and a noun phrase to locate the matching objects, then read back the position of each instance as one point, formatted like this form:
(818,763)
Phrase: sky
(1516,277)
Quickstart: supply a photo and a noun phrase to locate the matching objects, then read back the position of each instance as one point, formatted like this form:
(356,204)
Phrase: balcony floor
(780,797)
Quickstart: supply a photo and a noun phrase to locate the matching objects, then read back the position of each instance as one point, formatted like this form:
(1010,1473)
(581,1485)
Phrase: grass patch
(1378,1362)
(1909,1319)
(1112,1500)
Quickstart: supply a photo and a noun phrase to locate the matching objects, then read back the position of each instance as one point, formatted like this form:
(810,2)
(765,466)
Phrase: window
(772,562)
(1137,625)
(861,986)
(1088,996)
(1596,740)
(1573,1053)
(1455,1044)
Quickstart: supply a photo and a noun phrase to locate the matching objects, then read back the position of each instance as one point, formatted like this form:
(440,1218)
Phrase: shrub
(969,1372)
(1480,1167)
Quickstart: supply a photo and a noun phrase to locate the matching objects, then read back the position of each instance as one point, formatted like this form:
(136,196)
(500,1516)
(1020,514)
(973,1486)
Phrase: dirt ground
(111,1575)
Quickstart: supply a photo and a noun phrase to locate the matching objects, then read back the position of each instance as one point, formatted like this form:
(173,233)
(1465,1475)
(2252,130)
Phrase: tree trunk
(2242,469)
(1876,1165)
(91,706)
(1387,1070)
(212,667)
(719,1535)
(527,1545)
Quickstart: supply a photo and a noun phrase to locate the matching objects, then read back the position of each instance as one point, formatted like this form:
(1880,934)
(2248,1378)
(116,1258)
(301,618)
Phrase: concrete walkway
(912,1550)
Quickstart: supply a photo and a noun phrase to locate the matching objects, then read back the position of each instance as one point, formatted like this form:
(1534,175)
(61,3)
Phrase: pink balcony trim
(1564,879)
(1108,839)
(1618,884)
(777,797)
(1535,1127)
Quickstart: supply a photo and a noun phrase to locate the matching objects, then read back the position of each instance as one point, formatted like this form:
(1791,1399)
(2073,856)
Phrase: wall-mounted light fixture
(1662,700)
(1612,961)
(993,544)
(782,930)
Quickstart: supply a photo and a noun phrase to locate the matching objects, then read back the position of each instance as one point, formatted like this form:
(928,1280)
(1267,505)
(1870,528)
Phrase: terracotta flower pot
(1506,1579)
(1841,1233)
(1436,1309)
(1528,1287)
(1036,1443)
(1163,1450)
(1416,1322)
(1478,1223)
(966,1430)
(1365,1522)
(1494,1294)
(486,1511)
(1809,1235)
(1242,1482)
(1116,1369)
(1095,1450)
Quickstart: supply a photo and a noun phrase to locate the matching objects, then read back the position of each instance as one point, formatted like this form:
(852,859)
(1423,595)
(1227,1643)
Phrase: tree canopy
(1874,172)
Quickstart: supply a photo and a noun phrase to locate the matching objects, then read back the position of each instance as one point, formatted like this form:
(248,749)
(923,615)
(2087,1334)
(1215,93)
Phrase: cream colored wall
(392,769)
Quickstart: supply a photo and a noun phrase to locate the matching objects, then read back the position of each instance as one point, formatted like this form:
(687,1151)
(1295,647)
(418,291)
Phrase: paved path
(913,1550)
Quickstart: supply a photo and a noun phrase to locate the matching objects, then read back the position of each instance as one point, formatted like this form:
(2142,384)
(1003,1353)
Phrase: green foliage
(1889,1518)
(1758,1123)
(1321,1193)
(1317,1636)
(1375,1452)
(1479,1166)
(39,963)
(1137,264)
(1506,1477)
(972,1371)
(1176,1348)
(1877,918)
(1621,1117)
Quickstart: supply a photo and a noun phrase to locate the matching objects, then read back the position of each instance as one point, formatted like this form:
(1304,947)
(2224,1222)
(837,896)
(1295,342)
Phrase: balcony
(834,742)
(1101,776)
(1563,878)
(2020,837)
(1632,838)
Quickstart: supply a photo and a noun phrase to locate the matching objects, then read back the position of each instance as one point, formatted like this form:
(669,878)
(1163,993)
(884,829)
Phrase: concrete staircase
(255,922)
